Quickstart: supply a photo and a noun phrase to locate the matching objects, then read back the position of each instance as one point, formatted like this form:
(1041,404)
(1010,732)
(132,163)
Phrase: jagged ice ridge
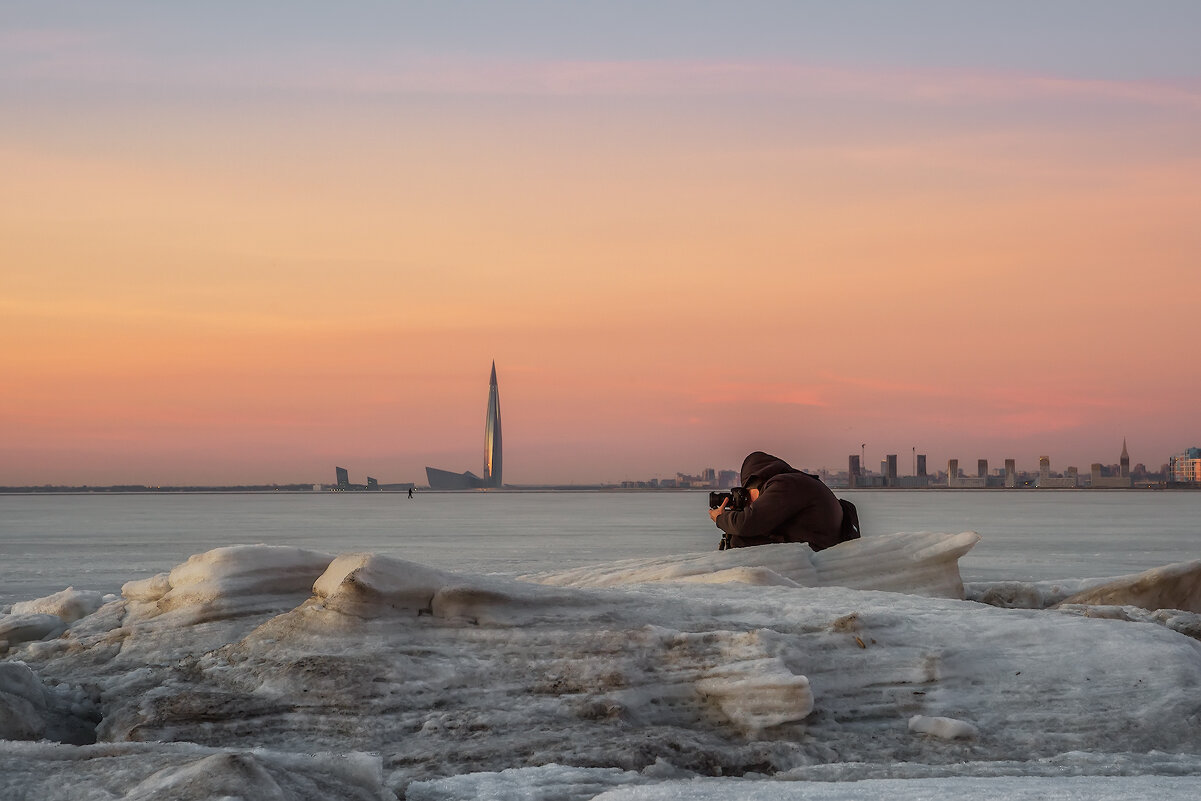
(276,672)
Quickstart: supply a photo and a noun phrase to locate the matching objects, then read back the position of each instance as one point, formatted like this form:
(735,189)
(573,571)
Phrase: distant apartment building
(1185,468)
(706,480)
(917,481)
(1099,480)
(1011,473)
(653,483)
(1069,480)
(957,481)
(854,473)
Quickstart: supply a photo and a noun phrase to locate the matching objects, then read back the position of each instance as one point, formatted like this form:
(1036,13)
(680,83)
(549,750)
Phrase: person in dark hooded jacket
(785,505)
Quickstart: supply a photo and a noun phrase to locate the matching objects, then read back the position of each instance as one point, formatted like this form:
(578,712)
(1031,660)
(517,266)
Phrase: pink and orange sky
(245,246)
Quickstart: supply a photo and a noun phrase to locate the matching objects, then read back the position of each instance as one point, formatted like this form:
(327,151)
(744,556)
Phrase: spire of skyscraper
(493,460)
(446,480)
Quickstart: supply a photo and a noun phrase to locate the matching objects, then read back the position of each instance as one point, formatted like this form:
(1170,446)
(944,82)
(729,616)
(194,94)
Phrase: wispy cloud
(650,78)
(758,393)
(68,56)
(88,57)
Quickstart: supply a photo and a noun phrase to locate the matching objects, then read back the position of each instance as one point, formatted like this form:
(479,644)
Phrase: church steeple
(1125,460)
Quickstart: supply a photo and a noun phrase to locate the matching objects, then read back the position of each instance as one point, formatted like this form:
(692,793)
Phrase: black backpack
(850,521)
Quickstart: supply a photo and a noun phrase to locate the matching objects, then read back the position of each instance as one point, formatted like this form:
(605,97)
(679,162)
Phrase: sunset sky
(247,242)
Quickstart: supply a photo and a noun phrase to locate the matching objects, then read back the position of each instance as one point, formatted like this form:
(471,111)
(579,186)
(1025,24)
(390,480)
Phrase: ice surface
(294,674)
(1186,623)
(183,772)
(758,694)
(1175,586)
(918,564)
(22,703)
(18,628)
(945,728)
(956,789)
(1026,594)
(69,605)
(29,710)
(558,783)
(228,582)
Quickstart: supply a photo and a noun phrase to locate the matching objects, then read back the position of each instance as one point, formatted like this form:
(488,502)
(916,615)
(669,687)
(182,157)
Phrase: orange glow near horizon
(240,294)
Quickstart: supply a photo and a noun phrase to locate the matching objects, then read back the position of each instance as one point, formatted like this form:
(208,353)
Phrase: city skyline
(921,466)
(1097,474)
(244,243)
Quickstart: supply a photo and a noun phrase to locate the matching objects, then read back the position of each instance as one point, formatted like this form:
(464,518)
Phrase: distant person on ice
(784,505)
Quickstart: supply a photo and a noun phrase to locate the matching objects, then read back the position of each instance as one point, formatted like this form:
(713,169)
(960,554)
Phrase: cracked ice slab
(916,563)
(1176,586)
(643,687)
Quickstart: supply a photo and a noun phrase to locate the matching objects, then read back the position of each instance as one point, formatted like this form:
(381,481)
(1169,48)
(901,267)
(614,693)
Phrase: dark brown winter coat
(792,507)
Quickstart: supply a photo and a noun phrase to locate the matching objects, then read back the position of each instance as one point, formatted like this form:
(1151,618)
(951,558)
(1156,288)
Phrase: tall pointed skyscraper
(446,480)
(493,459)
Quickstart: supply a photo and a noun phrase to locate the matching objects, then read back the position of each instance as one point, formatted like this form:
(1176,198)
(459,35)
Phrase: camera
(736,499)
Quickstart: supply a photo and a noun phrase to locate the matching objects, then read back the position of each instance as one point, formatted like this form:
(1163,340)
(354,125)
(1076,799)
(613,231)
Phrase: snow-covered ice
(69,605)
(946,728)
(759,673)
(1170,587)
(917,564)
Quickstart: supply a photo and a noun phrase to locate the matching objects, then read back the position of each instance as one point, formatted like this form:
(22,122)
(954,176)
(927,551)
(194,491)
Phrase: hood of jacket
(763,466)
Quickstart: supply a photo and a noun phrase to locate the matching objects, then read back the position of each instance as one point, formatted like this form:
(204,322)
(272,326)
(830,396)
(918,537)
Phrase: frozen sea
(571,646)
(100,541)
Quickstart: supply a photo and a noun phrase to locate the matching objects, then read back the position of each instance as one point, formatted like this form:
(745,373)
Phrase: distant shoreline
(313,489)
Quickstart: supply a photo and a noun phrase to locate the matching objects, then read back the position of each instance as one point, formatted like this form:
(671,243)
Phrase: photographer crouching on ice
(778,503)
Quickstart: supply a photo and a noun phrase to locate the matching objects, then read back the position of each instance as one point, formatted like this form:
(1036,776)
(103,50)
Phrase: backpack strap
(850,521)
